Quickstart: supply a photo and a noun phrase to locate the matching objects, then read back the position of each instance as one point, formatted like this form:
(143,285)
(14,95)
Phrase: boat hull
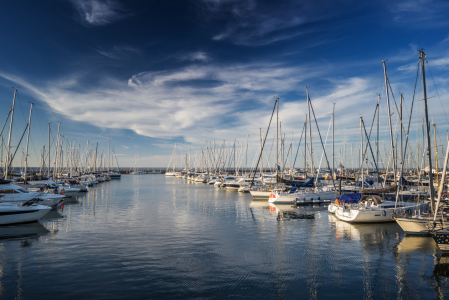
(260,195)
(441,237)
(364,216)
(16,215)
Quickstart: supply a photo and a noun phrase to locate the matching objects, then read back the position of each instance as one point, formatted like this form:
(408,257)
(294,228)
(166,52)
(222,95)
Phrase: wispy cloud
(422,13)
(119,52)
(192,102)
(256,23)
(194,56)
(98,12)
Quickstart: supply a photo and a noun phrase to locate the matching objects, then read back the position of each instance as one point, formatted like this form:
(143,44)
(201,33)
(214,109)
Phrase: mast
(361,150)
(333,143)
(436,154)
(277,139)
(109,157)
(28,140)
(429,151)
(400,116)
(305,147)
(310,133)
(377,142)
(389,120)
(261,162)
(49,163)
(246,156)
(58,151)
(9,137)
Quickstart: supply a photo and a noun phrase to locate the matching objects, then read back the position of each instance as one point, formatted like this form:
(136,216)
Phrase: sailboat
(371,208)
(136,163)
(419,222)
(153,171)
(314,196)
(171,172)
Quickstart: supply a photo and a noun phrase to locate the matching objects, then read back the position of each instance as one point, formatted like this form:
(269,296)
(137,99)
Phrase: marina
(224,149)
(120,240)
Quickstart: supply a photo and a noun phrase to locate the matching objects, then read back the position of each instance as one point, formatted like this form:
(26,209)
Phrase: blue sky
(153,73)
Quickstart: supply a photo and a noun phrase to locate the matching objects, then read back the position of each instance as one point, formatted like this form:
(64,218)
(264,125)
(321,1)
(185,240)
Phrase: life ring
(384,213)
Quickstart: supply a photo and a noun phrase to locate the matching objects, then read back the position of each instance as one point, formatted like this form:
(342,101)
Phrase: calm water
(151,237)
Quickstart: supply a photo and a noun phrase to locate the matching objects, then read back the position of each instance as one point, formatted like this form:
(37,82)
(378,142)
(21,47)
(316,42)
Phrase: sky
(150,74)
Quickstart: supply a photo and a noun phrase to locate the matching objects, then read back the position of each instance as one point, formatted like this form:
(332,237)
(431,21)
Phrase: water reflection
(292,212)
(19,231)
(152,237)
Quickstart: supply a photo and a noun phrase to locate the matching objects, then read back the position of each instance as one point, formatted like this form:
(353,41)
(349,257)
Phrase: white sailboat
(171,172)
(136,163)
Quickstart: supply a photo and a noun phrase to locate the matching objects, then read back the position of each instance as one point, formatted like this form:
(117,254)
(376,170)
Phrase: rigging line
(265,139)
(294,163)
(397,109)
(409,122)
(316,122)
(442,106)
(368,137)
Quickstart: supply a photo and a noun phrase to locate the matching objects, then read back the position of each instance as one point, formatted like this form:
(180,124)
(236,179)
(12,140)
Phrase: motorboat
(303,197)
(15,212)
(115,175)
(13,193)
(233,186)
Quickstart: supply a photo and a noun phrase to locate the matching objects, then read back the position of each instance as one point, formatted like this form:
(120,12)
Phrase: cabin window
(7,191)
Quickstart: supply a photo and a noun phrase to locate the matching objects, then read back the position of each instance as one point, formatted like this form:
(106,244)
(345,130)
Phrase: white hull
(419,225)
(13,213)
(371,215)
(232,188)
(364,216)
(260,195)
(332,208)
(303,197)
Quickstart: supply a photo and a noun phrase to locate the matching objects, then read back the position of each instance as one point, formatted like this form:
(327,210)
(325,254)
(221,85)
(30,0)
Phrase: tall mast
(277,139)
(305,147)
(400,116)
(333,143)
(55,171)
(361,150)
(429,151)
(49,163)
(310,133)
(28,140)
(389,120)
(9,137)
(261,161)
(246,159)
(436,154)
(109,156)
(377,142)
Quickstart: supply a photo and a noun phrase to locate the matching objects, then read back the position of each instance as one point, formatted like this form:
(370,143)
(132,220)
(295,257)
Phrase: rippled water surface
(152,237)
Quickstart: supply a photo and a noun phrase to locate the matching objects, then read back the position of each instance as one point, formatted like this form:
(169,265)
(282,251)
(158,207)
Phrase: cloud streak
(98,12)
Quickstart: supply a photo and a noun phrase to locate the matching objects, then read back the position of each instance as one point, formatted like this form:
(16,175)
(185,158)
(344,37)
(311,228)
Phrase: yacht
(16,212)
(302,197)
(51,185)
(12,193)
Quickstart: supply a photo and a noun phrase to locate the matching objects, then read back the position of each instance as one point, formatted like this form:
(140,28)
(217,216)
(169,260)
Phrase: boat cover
(308,183)
(354,197)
